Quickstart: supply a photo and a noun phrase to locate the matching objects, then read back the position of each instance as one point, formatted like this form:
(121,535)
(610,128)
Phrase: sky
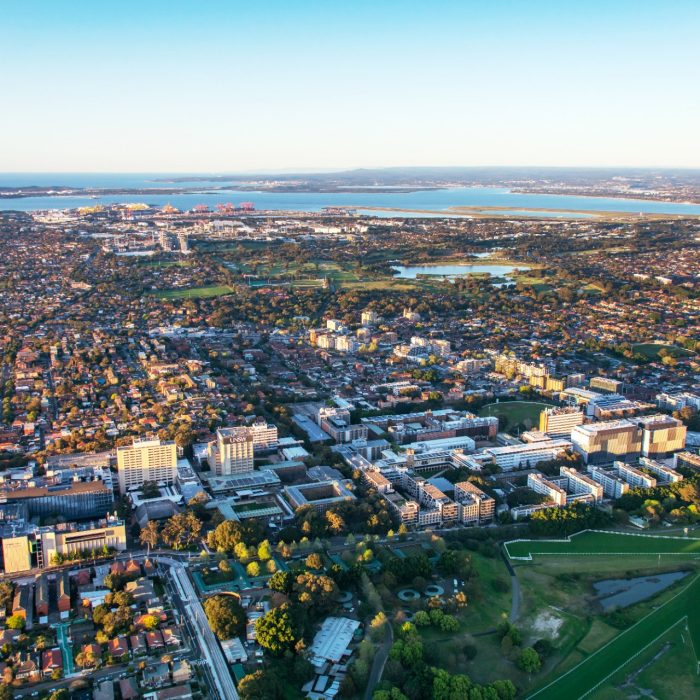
(228,86)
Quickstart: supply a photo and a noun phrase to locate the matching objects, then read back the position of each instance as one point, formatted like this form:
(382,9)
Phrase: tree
(264,551)
(276,631)
(226,616)
(5,692)
(314,561)
(150,535)
(529,660)
(6,593)
(15,622)
(149,622)
(253,569)
(282,582)
(259,685)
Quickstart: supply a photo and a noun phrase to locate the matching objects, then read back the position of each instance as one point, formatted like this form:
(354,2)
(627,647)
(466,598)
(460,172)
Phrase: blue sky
(235,86)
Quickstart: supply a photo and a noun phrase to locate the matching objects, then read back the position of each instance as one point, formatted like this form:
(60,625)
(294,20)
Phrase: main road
(216,663)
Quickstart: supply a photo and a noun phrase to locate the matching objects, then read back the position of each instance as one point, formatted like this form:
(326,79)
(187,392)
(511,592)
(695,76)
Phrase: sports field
(515,412)
(651,350)
(195,292)
(592,542)
(681,610)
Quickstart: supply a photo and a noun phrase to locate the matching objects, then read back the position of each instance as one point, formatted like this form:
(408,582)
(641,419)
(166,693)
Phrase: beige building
(603,443)
(146,460)
(233,452)
(661,435)
(31,546)
(559,422)
(474,505)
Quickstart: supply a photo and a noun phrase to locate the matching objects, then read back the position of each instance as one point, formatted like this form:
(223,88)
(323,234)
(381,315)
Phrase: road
(196,619)
(516,593)
(379,662)
(66,646)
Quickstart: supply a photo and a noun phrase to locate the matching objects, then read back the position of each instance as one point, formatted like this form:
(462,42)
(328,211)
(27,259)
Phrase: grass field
(597,543)
(666,668)
(195,292)
(595,670)
(516,413)
(651,350)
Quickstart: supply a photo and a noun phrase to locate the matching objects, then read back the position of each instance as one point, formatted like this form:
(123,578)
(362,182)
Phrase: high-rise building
(603,443)
(661,435)
(146,460)
(559,422)
(233,452)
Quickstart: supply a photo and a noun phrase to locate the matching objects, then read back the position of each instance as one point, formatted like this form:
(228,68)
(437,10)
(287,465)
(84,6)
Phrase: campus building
(26,546)
(603,443)
(475,506)
(661,435)
(146,460)
(559,422)
(233,452)
(336,423)
(527,455)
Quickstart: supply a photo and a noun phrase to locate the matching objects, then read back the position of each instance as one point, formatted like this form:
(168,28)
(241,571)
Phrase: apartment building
(475,506)
(663,474)
(686,460)
(540,484)
(633,476)
(146,460)
(613,485)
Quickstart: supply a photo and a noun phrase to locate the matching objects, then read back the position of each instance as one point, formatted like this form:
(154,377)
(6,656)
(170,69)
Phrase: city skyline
(238,87)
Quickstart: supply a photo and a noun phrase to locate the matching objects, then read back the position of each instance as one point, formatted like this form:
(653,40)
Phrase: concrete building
(579,484)
(603,443)
(559,422)
(686,460)
(233,452)
(540,484)
(32,546)
(336,423)
(321,495)
(613,485)
(146,460)
(527,455)
(663,474)
(661,435)
(475,506)
(633,476)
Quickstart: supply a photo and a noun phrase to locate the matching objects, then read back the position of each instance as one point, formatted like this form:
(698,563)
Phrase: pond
(456,270)
(623,592)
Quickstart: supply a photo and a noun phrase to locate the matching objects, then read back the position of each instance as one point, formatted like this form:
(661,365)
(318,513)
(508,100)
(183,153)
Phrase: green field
(651,350)
(517,413)
(596,543)
(195,292)
(595,670)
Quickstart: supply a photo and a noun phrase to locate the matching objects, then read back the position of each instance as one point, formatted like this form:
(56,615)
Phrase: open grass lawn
(606,543)
(537,283)
(526,413)
(195,292)
(651,350)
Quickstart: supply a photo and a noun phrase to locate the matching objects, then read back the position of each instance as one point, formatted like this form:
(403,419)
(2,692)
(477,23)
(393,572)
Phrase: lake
(457,270)
(623,592)
(515,204)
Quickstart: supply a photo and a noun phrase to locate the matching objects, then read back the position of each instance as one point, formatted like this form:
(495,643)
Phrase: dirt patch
(547,624)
